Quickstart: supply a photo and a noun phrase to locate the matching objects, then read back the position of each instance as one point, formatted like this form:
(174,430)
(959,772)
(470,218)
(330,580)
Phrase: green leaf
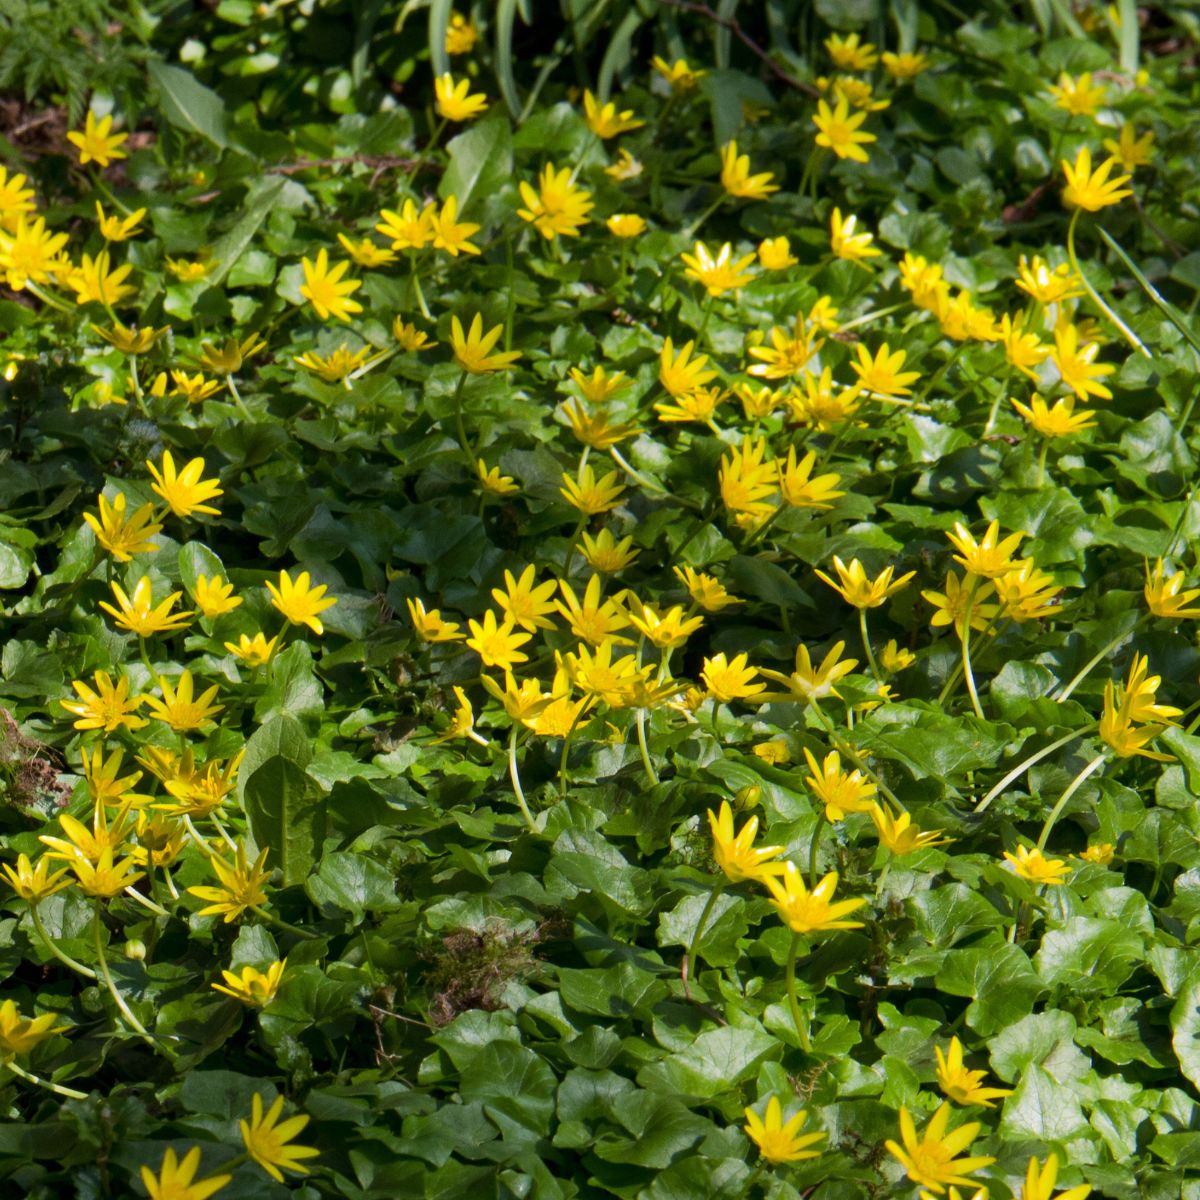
(228,249)
(353,883)
(480,161)
(999,978)
(1088,956)
(726,924)
(1185,1029)
(189,105)
(1042,1109)
(716,1061)
(281,736)
(285,816)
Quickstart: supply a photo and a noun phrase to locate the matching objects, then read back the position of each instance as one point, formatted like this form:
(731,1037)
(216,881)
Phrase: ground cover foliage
(616,627)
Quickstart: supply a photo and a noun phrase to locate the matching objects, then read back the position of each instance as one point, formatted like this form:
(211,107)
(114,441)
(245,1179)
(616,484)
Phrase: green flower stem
(844,748)
(212,816)
(1127,333)
(1041,475)
(98,183)
(887,866)
(157,909)
(47,299)
(57,1088)
(704,319)
(271,919)
(692,956)
(579,528)
(1032,760)
(416,286)
(563,759)
(866,641)
(1071,789)
(62,957)
(196,837)
(458,423)
(106,976)
(651,773)
(994,412)
(170,884)
(814,850)
(237,398)
(802,1030)
(514,774)
(146,659)
(968,675)
(137,386)
(694,228)
(1097,658)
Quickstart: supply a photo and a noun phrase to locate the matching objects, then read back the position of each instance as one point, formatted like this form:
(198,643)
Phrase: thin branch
(738,32)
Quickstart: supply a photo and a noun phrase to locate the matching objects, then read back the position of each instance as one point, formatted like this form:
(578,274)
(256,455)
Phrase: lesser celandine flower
(16,199)
(326,290)
(410,228)
(1027,594)
(180,707)
(299,601)
(19,1035)
(747,478)
(774,752)
(462,721)
(188,272)
(780,1141)
(721,274)
(1077,364)
(473,349)
(601,386)
(214,596)
(736,854)
(666,630)
(728,679)
(849,53)
(1131,704)
(1092,190)
(894,658)
(840,791)
(251,986)
(605,554)
(815,683)
(950,606)
(494,482)
(558,208)
(254,651)
(857,91)
(806,912)
(699,406)
(626,225)
(1168,597)
(195,389)
(186,492)
(1057,420)
(857,589)
(108,707)
(597,429)
(430,626)
(678,74)
(898,833)
(105,878)
(683,372)
(138,613)
(410,337)
(788,354)
(31,253)
(461,34)
(626,167)
(1022,350)
(931,1160)
(706,591)
(336,366)
(839,131)
(33,883)
(365,253)
(1077,95)
(96,281)
(240,886)
(97,143)
(846,243)
(1030,864)
(1040,1180)
(799,488)
(1131,151)
(737,180)
(990,555)
(176,1179)
(775,254)
(450,234)
(522,701)
(228,358)
(903,66)
(604,120)
(267,1139)
(525,602)
(1046,284)
(961,1085)
(883,374)
(592,494)
(497,644)
(123,536)
(452,100)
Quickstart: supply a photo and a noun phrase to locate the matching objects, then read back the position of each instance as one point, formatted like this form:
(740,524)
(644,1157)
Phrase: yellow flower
(462,723)
(732,679)
(848,54)
(841,792)
(122,537)
(951,606)
(930,1160)
(736,854)
(779,1141)
(626,167)
(737,180)
(214,596)
(104,878)
(1101,853)
(1168,597)
(187,272)
(1048,285)
(179,709)
(451,234)
(266,1139)
(15,198)
(409,229)
(228,359)
(845,243)
(892,658)
(806,912)
(299,602)
(1022,350)
(823,315)
(1134,702)
(626,225)
(97,143)
(160,840)
(1092,190)
(706,591)
(34,883)
(593,619)
(601,386)
(882,374)
(746,480)
(857,91)
(252,986)
(840,132)
(185,491)
(988,557)
(174,1180)
(1058,420)
(682,373)
(1131,151)
(1027,593)
(678,74)
(558,207)
(240,886)
(326,290)
(365,253)
(491,480)
(429,625)
(410,337)
(800,489)
(461,34)
(775,254)
(788,354)
(857,589)
(605,554)
(255,651)
(95,281)
(196,793)
(1077,95)
(19,1035)
(1040,1181)
(898,833)
(523,701)
(1077,364)
(138,614)
(525,604)
(604,120)
(775,752)
(815,683)
(453,102)
(721,274)
(961,1085)
(498,645)
(666,630)
(819,406)
(590,495)
(473,350)
(32,253)
(108,707)
(193,388)
(903,66)
(601,677)
(334,367)
(1032,865)
(596,430)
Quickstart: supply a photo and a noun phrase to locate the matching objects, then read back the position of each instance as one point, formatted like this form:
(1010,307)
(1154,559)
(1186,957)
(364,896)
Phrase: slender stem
(635,474)
(887,866)
(814,848)
(134,894)
(237,398)
(1032,760)
(802,1030)
(966,652)
(62,957)
(416,284)
(1071,789)
(146,659)
(279,923)
(571,548)
(458,422)
(866,641)
(563,762)
(1126,332)
(693,951)
(57,1088)
(45,298)
(212,816)
(102,963)
(201,844)
(1096,659)
(1041,476)
(694,228)
(651,773)
(515,775)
